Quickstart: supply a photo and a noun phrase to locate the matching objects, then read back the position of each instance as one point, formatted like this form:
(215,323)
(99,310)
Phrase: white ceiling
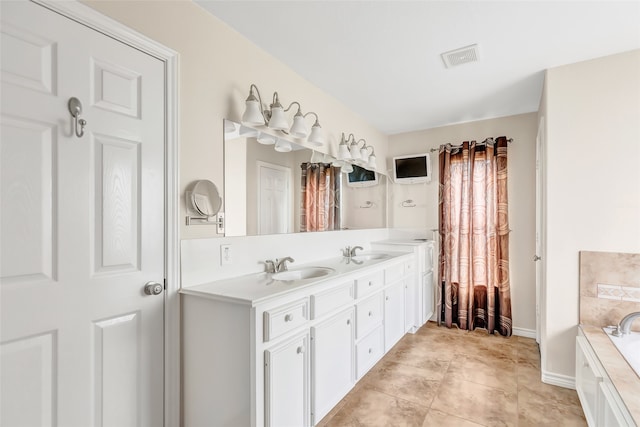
(382,58)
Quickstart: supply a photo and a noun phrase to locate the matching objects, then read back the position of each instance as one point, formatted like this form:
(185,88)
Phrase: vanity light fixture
(343,148)
(349,150)
(275,118)
(266,139)
(282,146)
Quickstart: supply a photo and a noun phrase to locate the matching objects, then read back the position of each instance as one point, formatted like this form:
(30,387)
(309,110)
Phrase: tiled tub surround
(609,287)
(609,290)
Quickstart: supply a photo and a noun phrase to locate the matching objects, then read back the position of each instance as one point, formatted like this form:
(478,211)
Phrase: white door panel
(274,201)
(82,226)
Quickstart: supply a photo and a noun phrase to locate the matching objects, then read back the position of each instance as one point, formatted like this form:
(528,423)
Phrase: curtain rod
(510,140)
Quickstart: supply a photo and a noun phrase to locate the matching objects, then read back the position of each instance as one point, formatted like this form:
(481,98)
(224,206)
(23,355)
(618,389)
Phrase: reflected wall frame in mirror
(262,186)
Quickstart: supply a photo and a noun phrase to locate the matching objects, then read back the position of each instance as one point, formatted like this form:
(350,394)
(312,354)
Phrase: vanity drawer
(369,283)
(393,273)
(281,320)
(369,314)
(369,350)
(327,301)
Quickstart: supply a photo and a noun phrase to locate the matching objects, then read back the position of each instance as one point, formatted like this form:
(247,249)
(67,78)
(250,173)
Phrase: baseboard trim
(522,332)
(559,380)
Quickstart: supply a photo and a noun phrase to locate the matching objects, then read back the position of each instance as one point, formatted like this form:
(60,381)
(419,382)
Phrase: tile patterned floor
(448,377)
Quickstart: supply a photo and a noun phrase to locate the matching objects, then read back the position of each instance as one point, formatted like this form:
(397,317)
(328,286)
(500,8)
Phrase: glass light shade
(364,153)
(343,152)
(347,168)
(372,161)
(282,146)
(355,152)
(316,137)
(299,128)
(278,120)
(266,139)
(252,114)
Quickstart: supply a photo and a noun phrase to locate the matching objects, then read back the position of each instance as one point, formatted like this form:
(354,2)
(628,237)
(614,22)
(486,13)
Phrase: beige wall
(217,65)
(592,117)
(521,186)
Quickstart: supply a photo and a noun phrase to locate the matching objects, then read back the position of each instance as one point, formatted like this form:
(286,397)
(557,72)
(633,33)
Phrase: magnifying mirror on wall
(204,201)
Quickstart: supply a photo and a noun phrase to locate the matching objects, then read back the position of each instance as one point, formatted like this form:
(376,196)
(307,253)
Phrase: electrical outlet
(225,254)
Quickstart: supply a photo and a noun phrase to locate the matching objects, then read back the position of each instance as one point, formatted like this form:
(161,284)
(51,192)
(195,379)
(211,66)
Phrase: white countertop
(253,289)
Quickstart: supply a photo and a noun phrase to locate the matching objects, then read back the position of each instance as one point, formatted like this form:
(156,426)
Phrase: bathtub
(628,346)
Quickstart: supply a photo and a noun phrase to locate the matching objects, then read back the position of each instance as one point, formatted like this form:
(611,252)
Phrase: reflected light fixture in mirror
(266,139)
(349,150)
(275,118)
(282,146)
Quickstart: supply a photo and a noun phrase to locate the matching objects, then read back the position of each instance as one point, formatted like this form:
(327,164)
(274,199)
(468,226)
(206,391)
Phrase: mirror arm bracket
(203,220)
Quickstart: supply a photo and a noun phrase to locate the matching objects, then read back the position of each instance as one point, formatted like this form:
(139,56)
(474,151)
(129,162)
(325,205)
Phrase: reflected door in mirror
(274,205)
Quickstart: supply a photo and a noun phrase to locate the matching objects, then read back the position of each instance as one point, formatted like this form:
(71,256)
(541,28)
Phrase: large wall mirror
(271,184)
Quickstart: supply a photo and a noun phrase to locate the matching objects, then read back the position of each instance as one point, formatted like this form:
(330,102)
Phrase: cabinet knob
(370,313)
(300,350)
(348,321)
(370,350)
(386,298)
(288,318)
(370,283)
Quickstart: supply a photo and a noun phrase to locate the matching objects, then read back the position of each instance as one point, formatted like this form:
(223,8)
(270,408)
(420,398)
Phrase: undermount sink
(303,273)
(368,257)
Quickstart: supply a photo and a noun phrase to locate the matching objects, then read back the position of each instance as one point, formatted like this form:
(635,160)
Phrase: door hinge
(165,283)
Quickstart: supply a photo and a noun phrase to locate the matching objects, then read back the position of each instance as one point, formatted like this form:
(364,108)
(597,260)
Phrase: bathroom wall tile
(605,312)
(610,291)
(630,294)
(608,267)
(609,287)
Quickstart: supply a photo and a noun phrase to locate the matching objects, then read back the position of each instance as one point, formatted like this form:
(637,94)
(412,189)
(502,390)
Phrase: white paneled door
(82,226)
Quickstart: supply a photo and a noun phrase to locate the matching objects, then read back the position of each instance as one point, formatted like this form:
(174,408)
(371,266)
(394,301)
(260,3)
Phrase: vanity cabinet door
(393,315)
(427,297)
(411,299)
(611,412)
(286,382)
(588,379)
(333,361)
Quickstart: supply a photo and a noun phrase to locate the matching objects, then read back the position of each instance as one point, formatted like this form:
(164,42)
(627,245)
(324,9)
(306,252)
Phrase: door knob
(153,288)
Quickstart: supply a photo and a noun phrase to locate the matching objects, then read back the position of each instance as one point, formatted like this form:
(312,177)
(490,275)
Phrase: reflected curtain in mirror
(320,197)
(474,237)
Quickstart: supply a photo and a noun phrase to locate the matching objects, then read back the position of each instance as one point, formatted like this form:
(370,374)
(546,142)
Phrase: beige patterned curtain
(474,237)
(320,198)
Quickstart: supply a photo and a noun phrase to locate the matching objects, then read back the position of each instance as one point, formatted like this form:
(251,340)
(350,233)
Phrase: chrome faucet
(270,266)
(352,252)
(349,251)
(281,264)
(624,327)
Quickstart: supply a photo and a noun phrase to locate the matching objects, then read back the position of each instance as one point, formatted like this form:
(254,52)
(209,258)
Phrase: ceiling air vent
(461,56)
